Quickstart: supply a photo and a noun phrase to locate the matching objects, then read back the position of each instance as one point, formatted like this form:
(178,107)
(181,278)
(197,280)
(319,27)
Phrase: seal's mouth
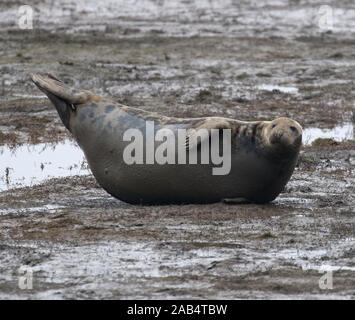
(285,141)
(276,137)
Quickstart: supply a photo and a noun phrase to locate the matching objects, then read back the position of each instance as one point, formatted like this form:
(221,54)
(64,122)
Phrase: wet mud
(185,59)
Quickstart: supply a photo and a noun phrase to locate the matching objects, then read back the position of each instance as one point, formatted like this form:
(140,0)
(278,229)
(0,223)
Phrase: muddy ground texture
(203,61)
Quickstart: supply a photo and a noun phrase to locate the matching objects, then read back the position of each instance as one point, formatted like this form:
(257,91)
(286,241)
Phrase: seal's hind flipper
(52,85)
(61,95)
(201,131)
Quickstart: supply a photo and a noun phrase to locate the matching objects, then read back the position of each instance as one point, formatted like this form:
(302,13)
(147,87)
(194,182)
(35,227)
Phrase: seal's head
(283,134)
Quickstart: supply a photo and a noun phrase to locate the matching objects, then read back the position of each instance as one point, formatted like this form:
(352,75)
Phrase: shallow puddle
(269,87)
(32,164)
(49,208)
(339,133)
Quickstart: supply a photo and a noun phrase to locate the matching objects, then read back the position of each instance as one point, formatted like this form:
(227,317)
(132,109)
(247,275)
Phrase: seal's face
(284,134)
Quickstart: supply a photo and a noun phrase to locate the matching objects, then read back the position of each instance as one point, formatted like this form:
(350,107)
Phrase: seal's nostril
(278,134)
(294,129)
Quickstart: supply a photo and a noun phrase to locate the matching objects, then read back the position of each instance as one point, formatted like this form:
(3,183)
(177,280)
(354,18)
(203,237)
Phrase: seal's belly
(249,177)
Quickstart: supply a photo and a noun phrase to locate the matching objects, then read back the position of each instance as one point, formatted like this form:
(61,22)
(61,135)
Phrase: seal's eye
(273,126)
(294,129)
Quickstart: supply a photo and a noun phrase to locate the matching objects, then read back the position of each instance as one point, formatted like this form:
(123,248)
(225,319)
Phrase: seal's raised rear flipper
(55,86)
(64,97)
(201,131)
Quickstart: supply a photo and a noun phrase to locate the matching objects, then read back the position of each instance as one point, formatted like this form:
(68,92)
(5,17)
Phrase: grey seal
(263,154)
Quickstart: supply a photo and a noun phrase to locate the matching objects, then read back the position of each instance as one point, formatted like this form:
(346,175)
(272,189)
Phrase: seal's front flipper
(64,97)
(235,201)
(201,131)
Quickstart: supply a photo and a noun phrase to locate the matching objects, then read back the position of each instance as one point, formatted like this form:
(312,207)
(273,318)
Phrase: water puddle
(127,260)
(339,133)
(32,164)
(313,259)
(50,208)
(271,88)
(29,96)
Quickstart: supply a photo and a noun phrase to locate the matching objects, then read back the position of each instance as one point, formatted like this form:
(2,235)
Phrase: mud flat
(231,60)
